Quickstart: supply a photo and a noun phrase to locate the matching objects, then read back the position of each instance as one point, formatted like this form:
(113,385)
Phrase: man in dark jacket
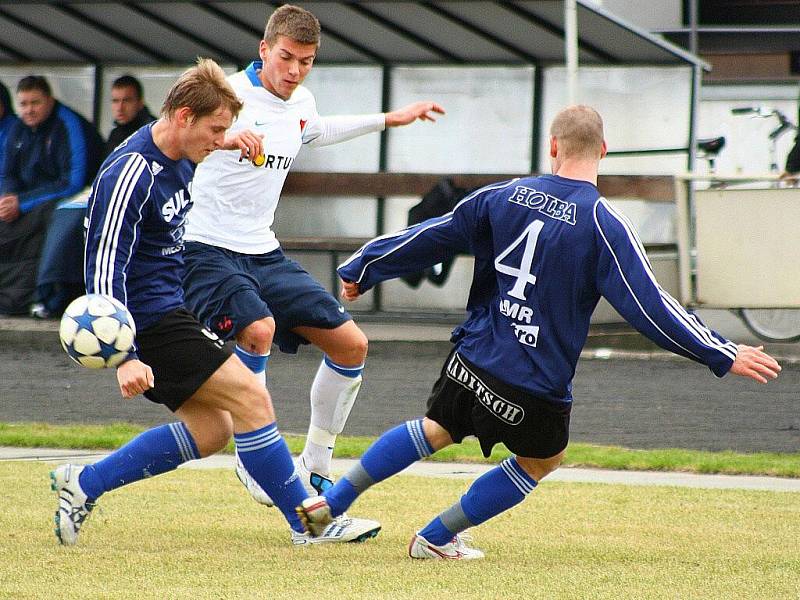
(51,154)
(128,108)
(7,118)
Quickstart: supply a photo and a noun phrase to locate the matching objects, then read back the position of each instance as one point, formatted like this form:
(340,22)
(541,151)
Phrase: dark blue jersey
(136,216)
(49,162)
(546,249)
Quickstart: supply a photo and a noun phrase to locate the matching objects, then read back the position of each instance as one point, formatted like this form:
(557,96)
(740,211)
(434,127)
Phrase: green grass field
(93,437)
(196,534)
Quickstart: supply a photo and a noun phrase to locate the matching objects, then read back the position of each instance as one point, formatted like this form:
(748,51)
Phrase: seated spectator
(128,109)
(53,153)
(7,118)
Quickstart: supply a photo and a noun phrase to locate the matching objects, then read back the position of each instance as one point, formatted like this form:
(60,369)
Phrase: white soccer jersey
(235,201)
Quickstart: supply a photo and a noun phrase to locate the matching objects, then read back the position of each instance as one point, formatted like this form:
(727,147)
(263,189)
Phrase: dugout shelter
(498,67)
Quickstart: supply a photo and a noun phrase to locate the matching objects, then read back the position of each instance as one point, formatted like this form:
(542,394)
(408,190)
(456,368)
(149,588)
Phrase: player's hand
(350,290)
(753,362)
(408,114)
(134,378)
(9,208)
(251,145)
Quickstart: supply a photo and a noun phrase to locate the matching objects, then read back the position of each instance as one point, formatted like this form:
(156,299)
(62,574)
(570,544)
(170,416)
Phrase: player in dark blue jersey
(546,249)
(134,252)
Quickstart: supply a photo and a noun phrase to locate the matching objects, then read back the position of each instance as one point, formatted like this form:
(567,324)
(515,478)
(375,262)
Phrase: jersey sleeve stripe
(690,321)
(690,324)
(628,285)
(406,240)
(446,218)
(113,221)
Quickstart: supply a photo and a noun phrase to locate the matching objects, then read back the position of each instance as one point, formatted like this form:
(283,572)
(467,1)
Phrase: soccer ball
(97,331)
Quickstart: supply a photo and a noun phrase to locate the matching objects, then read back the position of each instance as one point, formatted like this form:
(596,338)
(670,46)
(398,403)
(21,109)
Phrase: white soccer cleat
(255,490)
(313,482)
(455,549)
(73,505)
(323,528)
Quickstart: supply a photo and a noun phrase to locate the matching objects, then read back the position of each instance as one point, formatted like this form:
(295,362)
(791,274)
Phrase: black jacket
(121,132)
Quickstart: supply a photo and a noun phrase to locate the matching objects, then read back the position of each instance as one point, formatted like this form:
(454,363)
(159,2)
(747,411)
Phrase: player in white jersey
(238,281)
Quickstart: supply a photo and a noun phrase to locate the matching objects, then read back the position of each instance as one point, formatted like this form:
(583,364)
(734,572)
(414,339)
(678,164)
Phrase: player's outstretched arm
(408,114)
(753,362)
(134,377)
(248,143)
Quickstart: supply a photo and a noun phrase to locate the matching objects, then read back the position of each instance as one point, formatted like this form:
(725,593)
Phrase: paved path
(636,399)
(465,471)
(642,402)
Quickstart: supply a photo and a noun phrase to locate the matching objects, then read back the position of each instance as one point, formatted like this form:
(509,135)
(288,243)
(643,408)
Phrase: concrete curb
(466,471)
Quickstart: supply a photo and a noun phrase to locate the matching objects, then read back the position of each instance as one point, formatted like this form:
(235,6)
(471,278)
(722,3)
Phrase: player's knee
(538,468)
(360,346)
(257,337)
(354,351)
(438,437)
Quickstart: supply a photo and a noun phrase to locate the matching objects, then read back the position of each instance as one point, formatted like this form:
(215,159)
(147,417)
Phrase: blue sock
(389,454)
(266,457)
(257,363)
(151,453)
(490,494)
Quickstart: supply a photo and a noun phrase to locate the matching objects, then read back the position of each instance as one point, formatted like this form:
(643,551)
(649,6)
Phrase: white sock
(333,394)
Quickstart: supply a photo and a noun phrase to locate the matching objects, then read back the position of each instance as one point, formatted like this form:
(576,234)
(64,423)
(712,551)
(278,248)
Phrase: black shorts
(468,401)
(183,355)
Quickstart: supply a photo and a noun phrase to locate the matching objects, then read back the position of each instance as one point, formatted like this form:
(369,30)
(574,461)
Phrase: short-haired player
(134,252)
(238,281)
(546,249)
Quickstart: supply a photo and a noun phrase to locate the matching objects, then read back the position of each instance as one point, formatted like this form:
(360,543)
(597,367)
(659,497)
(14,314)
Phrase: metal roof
(740,39)
(148,32)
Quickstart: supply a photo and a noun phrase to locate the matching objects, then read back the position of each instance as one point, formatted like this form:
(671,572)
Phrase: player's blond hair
(293,22)
(579,131)
(202,89)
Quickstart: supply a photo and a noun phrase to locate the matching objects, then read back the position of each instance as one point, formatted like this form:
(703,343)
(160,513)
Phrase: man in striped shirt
(134,246)
(546,249)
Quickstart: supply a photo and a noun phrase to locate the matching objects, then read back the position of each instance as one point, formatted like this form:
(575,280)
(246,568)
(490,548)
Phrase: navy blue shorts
(228,290)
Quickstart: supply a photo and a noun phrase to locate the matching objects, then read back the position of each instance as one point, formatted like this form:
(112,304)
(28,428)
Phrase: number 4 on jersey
(523,271)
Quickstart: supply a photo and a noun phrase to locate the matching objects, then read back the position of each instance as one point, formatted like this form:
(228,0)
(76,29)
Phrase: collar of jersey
(252,72)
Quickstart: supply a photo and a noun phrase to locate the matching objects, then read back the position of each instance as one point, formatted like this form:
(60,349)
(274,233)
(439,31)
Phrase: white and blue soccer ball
(97,331)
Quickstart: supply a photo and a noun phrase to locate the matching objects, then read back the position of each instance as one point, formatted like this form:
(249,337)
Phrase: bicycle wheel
(772,324)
